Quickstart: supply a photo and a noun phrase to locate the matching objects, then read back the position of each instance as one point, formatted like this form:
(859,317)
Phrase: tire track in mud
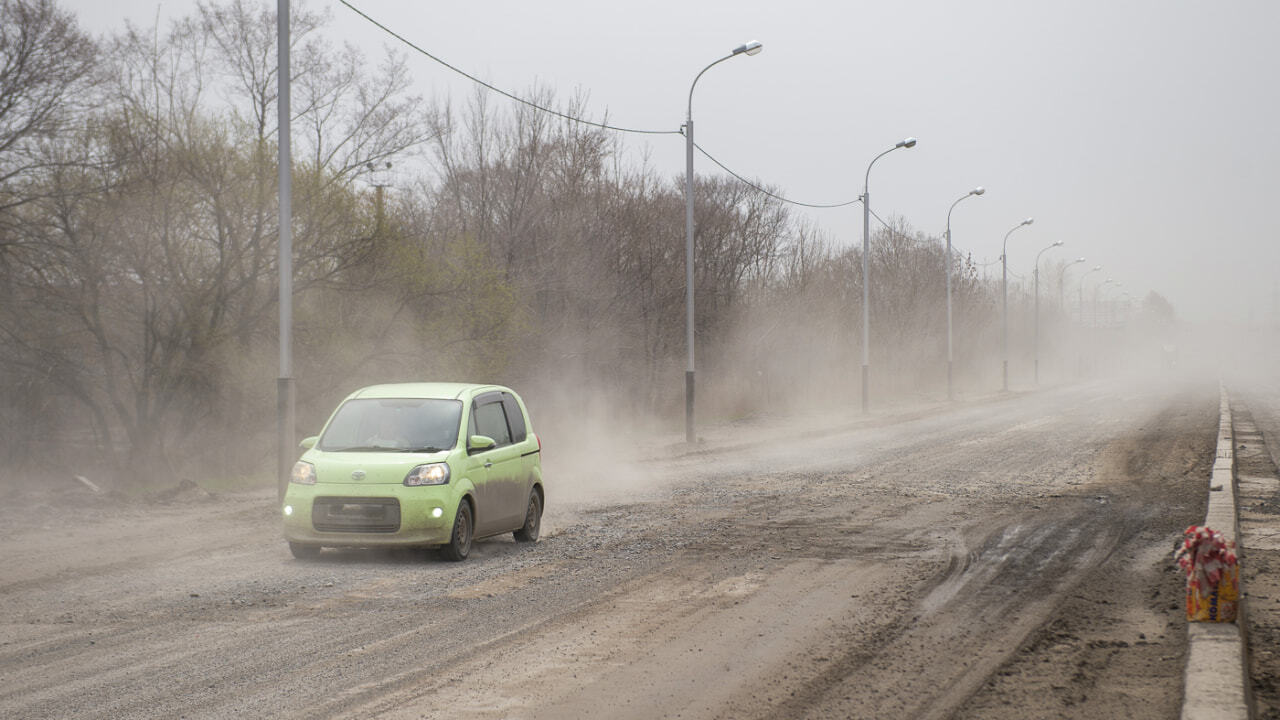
(1113,644)
(1013,579)
(969,619)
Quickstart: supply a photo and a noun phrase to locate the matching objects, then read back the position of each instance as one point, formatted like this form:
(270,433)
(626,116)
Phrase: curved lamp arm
(907,143)
(750,48)
(1004,247)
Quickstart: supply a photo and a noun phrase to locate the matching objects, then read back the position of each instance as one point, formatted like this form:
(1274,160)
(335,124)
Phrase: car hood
(368,468)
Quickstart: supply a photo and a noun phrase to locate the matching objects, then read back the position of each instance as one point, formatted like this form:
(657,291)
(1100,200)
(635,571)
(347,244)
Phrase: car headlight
(304,473)
(429,474)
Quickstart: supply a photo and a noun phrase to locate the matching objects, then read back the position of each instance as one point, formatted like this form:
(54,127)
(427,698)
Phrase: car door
(478,466)
(528,451)
(497,510)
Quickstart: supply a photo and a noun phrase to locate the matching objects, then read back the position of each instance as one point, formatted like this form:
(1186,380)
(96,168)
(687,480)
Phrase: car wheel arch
(470,500)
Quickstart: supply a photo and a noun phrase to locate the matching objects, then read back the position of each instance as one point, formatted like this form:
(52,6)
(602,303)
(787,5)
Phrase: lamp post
(1004,288)
(866,268)
(1036,350)
(1080,292)
(751,48)
(947,261)
(286,451)
(1062,278)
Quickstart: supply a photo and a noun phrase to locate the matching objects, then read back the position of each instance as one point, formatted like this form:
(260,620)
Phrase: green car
(417,465)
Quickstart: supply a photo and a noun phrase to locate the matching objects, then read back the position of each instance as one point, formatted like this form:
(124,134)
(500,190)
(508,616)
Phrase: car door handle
(488,464)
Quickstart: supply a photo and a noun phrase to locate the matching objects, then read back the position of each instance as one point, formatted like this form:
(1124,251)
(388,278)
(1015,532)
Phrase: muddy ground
(1256,414)
(1003,558)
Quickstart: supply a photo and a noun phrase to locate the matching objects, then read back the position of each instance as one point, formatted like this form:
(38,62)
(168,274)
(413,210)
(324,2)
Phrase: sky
(1143,134)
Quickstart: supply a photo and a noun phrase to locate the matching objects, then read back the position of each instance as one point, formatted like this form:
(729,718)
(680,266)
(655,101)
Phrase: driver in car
(388,434)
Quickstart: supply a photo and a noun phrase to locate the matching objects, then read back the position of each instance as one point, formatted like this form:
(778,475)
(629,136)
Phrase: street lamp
(1062,278)
(1004,287)
(1036,350)
(286,431)
(1080,292)
(976,191)
(751,48)
(866,267)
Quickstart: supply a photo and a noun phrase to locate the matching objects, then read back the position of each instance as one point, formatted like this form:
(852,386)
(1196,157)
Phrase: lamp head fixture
(909,143)
(752,47)
(1028,221)
(978,190)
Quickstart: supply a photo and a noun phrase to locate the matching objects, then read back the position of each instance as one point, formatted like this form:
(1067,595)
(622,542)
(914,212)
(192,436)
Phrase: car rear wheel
(304,552)
(532,520)
(460,540)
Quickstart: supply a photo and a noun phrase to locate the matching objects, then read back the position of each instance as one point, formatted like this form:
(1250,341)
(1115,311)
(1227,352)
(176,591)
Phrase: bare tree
(45,63)
(145,281)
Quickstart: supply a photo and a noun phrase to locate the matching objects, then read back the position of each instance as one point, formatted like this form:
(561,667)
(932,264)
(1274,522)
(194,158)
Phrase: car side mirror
(480,443)
(309,442)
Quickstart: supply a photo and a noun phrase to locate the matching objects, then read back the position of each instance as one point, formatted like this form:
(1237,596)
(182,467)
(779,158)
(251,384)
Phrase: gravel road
(1001,558)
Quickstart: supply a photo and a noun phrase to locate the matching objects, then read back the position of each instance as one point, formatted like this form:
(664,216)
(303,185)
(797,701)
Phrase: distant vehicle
(417,465)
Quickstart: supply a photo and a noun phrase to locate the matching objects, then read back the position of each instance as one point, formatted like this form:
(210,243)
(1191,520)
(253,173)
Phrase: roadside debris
(1213,575)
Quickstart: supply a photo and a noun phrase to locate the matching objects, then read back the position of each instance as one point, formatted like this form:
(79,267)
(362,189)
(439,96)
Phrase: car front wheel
(460,540)
(532,520)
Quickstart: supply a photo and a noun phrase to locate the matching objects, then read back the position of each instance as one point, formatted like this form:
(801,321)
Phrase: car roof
(442,390)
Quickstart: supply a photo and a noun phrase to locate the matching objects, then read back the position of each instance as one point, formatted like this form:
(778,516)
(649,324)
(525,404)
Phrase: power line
(885,225)
(775,196)
(499,90)
(592,123)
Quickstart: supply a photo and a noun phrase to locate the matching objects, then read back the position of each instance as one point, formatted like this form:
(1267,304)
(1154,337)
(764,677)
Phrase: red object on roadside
(1213,578)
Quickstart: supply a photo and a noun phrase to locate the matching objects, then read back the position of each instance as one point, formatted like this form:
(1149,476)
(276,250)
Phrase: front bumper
(381,515)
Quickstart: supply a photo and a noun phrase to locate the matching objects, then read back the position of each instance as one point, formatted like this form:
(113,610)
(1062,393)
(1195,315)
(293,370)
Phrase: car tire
(304,552)
(460,539)
(532,520)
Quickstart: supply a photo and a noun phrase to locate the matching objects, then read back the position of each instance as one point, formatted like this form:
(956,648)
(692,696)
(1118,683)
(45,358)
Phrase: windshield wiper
(427,449)
(364,448)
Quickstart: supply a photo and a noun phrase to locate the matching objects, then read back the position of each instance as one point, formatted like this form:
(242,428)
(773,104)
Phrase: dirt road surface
(1004,558)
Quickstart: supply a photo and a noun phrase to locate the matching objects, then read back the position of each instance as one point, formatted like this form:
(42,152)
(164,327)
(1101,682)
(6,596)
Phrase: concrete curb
(1216,683)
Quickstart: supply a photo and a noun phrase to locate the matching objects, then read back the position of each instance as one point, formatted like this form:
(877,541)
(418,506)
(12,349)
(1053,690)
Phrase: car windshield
(393,425)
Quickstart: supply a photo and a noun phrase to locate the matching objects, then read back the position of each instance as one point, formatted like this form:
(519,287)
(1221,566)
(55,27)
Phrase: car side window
(492,421)
(515,418)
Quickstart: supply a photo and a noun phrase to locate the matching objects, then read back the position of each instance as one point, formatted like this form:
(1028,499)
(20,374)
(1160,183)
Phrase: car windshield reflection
(408,425)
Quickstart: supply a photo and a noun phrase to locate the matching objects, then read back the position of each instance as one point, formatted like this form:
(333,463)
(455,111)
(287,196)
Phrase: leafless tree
(46,63)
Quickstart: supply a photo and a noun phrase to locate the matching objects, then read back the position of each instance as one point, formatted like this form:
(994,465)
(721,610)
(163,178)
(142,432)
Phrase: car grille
(356,514)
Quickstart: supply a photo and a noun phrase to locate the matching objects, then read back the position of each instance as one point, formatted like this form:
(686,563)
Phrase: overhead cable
(499,90)
(775,196)
(604,126)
